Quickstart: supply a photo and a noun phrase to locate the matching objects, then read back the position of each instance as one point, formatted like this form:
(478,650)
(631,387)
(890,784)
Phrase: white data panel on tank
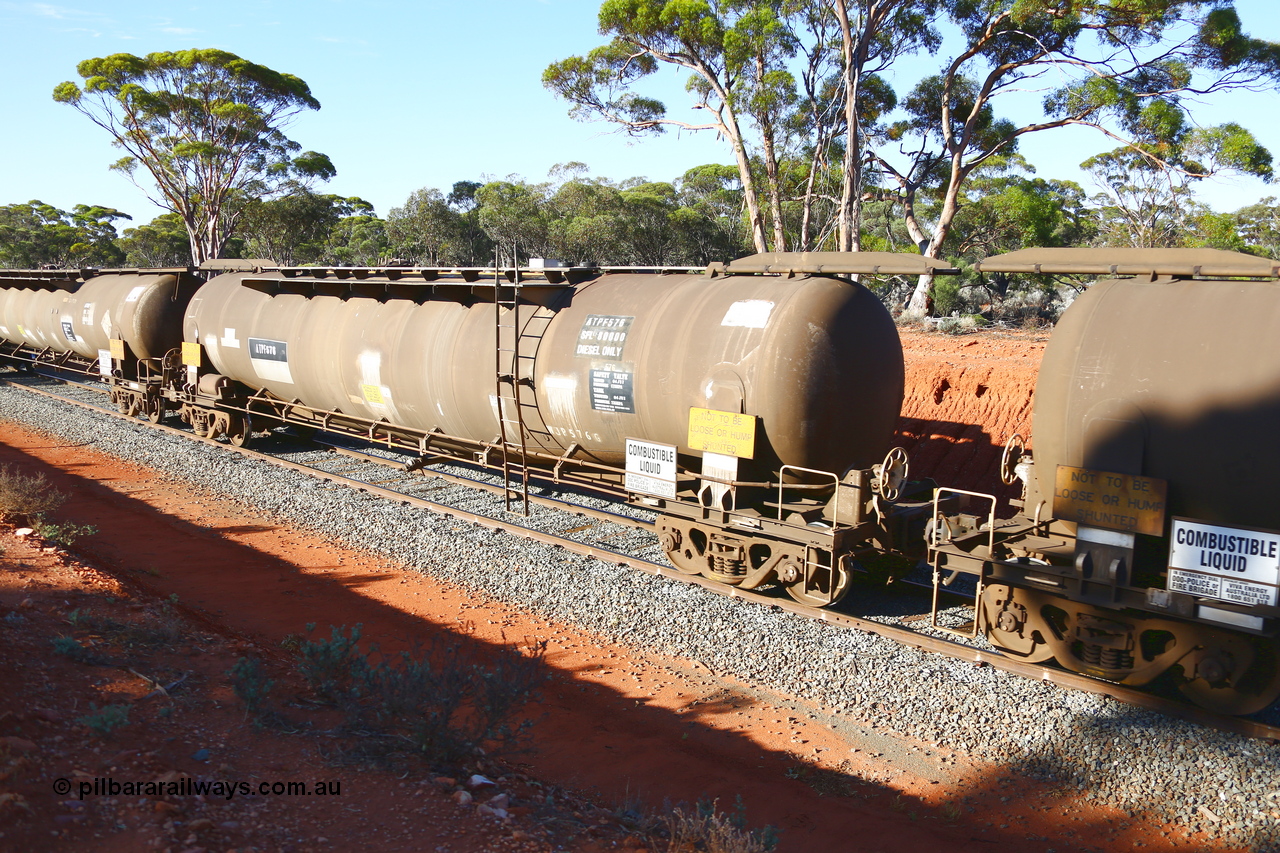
(270,360)
(1233,564)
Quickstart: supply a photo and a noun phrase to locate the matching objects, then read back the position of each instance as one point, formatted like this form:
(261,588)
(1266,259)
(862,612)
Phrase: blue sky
(414,94)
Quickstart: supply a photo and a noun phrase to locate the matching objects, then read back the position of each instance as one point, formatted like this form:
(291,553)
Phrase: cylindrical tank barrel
(143,309)
(1176,380)
(817,360)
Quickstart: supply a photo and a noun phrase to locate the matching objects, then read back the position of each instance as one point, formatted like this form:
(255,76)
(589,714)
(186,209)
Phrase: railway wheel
(825,585)
(155,411)
(1234,674)
(238,430)
(683,551)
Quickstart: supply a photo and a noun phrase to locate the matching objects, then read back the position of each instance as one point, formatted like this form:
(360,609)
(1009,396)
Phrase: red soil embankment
(965,396)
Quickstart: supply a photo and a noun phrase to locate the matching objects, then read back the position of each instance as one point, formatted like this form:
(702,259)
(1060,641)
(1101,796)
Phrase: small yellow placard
(372,394)
(191,353)
(117,349)
(1113,501)
(726,433)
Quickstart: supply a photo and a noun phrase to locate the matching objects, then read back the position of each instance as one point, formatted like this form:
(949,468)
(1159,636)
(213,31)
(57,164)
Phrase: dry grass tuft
(24,497)
(708,829)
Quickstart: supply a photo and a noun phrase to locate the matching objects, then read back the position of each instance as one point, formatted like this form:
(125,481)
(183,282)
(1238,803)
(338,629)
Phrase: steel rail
(904,636)
(554,503)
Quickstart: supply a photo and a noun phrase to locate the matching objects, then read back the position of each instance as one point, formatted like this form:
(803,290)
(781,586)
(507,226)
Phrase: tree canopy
(801,90)
(37,235)
(206,126)
(1129,69)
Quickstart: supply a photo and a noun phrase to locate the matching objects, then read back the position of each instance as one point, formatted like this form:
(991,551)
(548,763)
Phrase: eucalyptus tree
(780,80)
(708,221)
(512,213)
(162,242)
(735,53)
(294,229)
(359,240)
(872,35)
(1126,68)
(36,235)
(1140,205)
(1259,227)
(205,126)
(585,218)
(426,230)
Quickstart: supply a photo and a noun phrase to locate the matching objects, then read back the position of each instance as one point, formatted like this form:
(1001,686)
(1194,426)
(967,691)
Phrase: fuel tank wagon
(1148,545)
(749,404)
(80,312)
(613,356)
(1172,378)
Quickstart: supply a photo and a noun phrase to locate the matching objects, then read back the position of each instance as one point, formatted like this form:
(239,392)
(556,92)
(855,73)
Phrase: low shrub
(444,700)
(65,534)
(70,647)
(24,497)
(251,685)
(103,721)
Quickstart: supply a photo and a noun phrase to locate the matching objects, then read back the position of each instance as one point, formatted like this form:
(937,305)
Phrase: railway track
(904,636)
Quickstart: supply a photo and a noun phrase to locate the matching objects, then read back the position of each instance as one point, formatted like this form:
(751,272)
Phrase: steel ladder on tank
(513,433)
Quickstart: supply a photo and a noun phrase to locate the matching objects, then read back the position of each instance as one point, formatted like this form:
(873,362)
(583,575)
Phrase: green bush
(946,296)
(65,534)
(106,720)
(252,687)
(70,647)
(438,697)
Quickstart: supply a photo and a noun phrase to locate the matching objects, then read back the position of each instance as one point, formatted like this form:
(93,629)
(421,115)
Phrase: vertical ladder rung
(511,444)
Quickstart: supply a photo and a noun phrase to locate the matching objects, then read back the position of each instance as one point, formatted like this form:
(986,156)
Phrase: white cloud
(63,13)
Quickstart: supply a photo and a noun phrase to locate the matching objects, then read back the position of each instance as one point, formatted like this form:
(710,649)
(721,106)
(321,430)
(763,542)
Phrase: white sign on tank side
(721,467)
(1227,563)
(651,468)
(748,313)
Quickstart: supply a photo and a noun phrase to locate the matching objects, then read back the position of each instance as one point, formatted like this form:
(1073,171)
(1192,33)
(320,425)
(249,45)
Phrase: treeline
(580,219)
(690,221)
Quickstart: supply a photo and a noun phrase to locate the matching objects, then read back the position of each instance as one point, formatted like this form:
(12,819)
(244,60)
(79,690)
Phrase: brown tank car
(119,324)
(719,397)
(614,356)
(70,312)
(1148,546)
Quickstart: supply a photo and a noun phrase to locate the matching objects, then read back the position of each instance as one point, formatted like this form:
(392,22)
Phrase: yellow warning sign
(372,394)
(1114,501)
(117,349)
(726,433)
(191,353)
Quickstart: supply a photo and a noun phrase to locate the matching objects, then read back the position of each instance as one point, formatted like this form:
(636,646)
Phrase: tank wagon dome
(83,311)
(1168,373)
(603,355)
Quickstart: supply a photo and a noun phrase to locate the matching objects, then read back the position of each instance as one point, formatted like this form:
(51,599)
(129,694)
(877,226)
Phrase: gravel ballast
(1123,756)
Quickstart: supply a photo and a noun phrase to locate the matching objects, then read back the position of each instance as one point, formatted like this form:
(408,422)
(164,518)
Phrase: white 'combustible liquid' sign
(651,468)
(1227,563)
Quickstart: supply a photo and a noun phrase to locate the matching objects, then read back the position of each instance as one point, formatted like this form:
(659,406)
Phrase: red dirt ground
(614,723)
(965,396)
